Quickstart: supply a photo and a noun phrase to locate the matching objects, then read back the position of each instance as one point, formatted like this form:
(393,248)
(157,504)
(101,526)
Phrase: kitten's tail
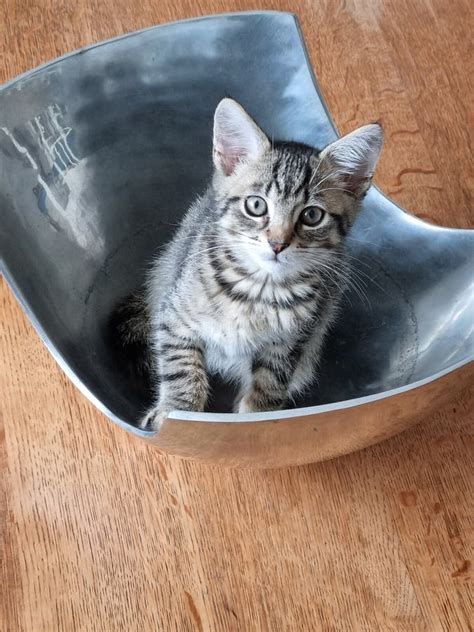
(129,329)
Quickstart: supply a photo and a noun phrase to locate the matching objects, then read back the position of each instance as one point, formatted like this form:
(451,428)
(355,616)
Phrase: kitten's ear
(237,138)
(353,157)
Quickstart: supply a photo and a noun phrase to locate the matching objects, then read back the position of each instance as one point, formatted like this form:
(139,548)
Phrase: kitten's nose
(277,246)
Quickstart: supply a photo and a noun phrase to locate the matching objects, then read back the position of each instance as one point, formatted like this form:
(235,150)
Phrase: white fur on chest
(230,344)
(232,336)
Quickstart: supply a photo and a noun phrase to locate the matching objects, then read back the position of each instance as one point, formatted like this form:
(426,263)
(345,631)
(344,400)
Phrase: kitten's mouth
(273,263)
(272,257)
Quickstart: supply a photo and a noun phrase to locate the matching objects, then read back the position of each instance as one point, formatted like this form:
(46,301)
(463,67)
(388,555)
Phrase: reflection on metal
(23,151)
(55,139)
(103,150)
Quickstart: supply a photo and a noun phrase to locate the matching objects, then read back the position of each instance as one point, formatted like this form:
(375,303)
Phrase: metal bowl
(102,151)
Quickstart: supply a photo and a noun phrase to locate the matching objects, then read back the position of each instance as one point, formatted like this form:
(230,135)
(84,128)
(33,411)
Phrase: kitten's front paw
(250,404)
(244,406)
(154,418)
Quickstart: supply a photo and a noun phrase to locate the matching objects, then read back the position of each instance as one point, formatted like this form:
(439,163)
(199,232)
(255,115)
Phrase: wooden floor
(101,532)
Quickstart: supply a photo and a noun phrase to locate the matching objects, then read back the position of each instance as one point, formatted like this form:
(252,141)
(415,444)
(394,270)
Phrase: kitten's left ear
(353,157)
(237,138)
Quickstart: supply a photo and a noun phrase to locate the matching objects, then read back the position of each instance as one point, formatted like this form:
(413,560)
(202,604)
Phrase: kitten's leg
(183,380)
(267,388)
(305,371)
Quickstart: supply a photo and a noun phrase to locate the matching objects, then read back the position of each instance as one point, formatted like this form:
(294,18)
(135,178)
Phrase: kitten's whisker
(178,238)
(358,287)
(334,189)
(350,283)
(341,262)
(357,270)
(315,172)
(247,237)
(199,253)
(270,166)
(346,274)
(237,232)
(330,175)
(335,278)
(351,256)
(169,223)
(362,241)
(338,277)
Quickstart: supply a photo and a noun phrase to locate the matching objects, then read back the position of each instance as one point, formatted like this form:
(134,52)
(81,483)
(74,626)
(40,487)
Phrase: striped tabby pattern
(252,279)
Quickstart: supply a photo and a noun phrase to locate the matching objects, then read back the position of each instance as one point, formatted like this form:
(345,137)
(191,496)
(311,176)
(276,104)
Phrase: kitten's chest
(231,343)
(240,319)
(240,328)
(235,330)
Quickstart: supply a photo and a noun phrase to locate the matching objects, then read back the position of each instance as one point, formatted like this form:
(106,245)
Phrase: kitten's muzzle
(278,246)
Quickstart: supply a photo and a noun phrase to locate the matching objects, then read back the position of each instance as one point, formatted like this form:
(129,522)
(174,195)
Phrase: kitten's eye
(311,216)
(256,206)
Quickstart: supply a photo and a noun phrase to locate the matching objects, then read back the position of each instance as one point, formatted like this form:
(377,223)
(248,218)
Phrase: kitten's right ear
(237,138)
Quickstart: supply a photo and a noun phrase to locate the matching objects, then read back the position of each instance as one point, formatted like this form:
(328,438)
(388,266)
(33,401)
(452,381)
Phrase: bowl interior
(103,151)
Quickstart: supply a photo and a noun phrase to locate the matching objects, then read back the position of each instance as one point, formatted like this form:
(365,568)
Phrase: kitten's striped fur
(221,300)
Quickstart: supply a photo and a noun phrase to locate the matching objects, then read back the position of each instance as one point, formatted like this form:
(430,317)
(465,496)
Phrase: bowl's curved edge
(78,51)
(273,417)
(295,413)
(75,379)
(318,437)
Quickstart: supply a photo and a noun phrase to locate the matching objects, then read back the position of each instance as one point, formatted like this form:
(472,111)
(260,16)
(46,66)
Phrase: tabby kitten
(251,281)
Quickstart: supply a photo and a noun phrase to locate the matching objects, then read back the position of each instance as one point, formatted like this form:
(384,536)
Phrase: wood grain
(102,532)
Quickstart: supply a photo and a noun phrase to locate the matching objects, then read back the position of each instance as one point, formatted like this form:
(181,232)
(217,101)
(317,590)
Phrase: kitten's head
(284,205)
